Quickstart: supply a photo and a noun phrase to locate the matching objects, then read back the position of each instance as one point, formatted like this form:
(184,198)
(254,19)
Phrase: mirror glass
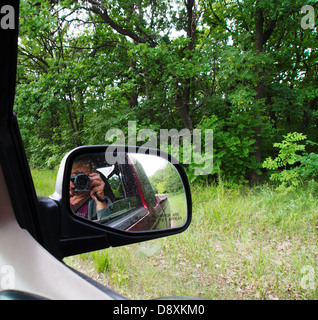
(137,192)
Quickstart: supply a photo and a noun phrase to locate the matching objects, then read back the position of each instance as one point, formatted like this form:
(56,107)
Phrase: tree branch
(101,10)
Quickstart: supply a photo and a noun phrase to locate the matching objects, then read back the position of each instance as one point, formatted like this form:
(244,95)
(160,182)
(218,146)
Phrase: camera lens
(82,181)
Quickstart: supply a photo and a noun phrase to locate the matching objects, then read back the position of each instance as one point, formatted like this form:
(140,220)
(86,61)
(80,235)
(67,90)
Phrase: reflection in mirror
(140,193)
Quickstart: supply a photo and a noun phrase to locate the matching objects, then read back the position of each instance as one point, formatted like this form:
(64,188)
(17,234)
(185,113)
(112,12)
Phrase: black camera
(81,182)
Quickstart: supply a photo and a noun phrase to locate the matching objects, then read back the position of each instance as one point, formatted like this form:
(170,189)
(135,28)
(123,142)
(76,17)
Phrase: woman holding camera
(88,201)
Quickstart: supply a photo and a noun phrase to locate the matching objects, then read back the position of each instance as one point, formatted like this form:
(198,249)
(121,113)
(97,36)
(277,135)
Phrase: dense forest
(247,69)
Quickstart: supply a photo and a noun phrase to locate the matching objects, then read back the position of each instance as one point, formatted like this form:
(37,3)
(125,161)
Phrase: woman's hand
(97,186)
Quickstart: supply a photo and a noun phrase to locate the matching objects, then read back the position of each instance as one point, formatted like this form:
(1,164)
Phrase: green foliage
(294,163)
(166,180)
(83,70)
(101,261)
(233,144)
(44,181)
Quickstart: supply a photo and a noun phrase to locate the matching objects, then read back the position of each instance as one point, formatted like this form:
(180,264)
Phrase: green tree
(255,73)
(243,68)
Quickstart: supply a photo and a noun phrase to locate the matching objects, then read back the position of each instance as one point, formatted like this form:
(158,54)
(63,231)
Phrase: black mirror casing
(68,235)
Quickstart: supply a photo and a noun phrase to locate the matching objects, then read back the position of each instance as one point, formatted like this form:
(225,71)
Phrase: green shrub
(293,165)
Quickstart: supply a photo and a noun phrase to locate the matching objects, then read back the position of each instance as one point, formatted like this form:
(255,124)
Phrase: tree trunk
(183,97)
(183,109)
(134,94)
(259,92)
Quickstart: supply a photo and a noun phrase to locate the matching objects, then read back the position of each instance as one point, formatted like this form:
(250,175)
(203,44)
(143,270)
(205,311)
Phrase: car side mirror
(124,194)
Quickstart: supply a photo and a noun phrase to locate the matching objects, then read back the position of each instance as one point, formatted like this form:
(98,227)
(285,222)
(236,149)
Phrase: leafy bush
(233,144)
(293,165)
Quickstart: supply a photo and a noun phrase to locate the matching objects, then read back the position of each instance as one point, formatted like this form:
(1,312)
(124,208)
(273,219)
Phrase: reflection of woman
(90,203)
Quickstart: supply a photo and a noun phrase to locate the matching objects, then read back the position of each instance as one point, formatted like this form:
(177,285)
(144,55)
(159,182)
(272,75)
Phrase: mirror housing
(74,234)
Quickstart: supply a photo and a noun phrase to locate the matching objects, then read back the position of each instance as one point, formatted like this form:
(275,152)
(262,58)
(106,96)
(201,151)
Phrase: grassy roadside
(44,181)
(242,244)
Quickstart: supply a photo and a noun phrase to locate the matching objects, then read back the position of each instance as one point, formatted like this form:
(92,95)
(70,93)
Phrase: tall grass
(242,244)
(44,181)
